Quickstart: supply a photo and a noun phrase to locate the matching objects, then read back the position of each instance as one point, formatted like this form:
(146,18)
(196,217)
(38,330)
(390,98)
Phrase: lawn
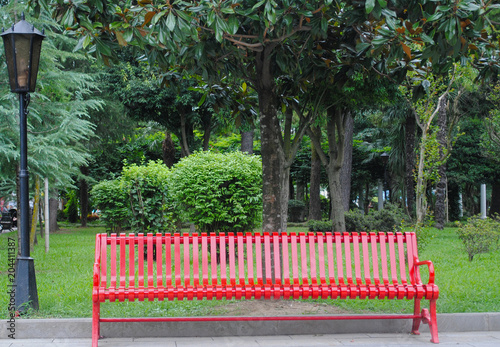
(64,280)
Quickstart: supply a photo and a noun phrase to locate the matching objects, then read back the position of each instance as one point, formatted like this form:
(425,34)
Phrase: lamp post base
(26,292)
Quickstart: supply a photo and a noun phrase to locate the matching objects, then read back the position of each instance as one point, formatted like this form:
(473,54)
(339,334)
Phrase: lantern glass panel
(22,45)
(35,60)
(9,55)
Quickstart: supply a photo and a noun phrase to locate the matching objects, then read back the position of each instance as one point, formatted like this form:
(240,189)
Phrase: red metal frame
(312,265)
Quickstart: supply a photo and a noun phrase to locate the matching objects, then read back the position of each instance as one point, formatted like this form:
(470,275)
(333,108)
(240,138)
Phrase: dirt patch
(268,308)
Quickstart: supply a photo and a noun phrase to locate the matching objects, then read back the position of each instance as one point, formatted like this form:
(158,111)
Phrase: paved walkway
(479,339)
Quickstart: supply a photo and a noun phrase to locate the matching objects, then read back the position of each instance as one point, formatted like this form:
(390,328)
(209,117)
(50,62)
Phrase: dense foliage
(138,199)
(219,192)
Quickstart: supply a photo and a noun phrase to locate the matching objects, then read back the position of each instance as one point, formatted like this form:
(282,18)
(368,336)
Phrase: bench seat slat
(402,261)
(204,259)
(168,260)
(250,269)
(295,260)
(312,259)
(213,258)
(267,256)
(187,265)
(241,260)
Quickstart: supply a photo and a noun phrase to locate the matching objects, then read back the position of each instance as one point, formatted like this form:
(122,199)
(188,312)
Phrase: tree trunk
(421,191)
(495,199)
(285,194)
(367,198)
(247,142)
(184,143)
(337,208)
(346,171)
(336,121)
(272,152)
(53,207)
(314,189)
(410,128)
(440,209)
(84,196)
(206,136)
(168,150)
(300,194)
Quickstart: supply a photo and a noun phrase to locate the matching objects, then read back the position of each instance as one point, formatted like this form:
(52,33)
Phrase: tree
(253,41)
(262,41)
(491,142)
(58,124)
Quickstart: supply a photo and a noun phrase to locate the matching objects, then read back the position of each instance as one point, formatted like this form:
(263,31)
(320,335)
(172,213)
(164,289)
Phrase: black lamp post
(23,44)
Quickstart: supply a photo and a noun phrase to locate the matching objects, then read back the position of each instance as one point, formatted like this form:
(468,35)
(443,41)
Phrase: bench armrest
(96,274)
(430,266)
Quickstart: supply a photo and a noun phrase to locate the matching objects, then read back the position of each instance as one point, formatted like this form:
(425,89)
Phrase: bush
(146,186)
(479,235)
(111,200)
(138,199)
(71,208)
(356,221)
(388,219)
(320,225)
(296,211)
(219,192)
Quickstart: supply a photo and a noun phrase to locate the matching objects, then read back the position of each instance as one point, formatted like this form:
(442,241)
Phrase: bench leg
(416,321)
(433,322)
(431,319)
(96,315)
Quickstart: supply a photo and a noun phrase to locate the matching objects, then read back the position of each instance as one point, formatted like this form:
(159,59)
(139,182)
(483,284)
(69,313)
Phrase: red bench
(262,266)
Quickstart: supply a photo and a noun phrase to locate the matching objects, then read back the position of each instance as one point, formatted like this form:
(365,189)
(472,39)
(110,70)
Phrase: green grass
(64,280)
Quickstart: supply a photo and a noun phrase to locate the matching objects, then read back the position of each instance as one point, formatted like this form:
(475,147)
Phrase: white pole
(483,201)
(380,195)
(47,226)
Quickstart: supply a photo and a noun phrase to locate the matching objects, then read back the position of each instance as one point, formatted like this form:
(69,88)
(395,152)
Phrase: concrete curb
(82,327)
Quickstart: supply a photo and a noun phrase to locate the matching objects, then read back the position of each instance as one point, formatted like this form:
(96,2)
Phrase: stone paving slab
(470,339)
(81,327)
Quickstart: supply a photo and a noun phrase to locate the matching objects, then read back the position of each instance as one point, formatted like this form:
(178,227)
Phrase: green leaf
(382,3)
(259,4)
(103,48)
(210,18)
(469,6)
(171,21)
(233,24)
(369,6)
(227,10)
(426,38)
(435,16)
(87,40)
(158,16)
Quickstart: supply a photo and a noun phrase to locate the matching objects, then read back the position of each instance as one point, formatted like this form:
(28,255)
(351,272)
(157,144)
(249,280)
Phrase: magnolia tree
(269,42)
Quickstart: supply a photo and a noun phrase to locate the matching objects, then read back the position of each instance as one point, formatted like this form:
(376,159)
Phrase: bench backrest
(254,259)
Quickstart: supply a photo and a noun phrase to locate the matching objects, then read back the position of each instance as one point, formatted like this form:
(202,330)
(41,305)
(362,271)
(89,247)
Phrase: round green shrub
(139,199)
(219,192)
(147,188)
(110,198)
